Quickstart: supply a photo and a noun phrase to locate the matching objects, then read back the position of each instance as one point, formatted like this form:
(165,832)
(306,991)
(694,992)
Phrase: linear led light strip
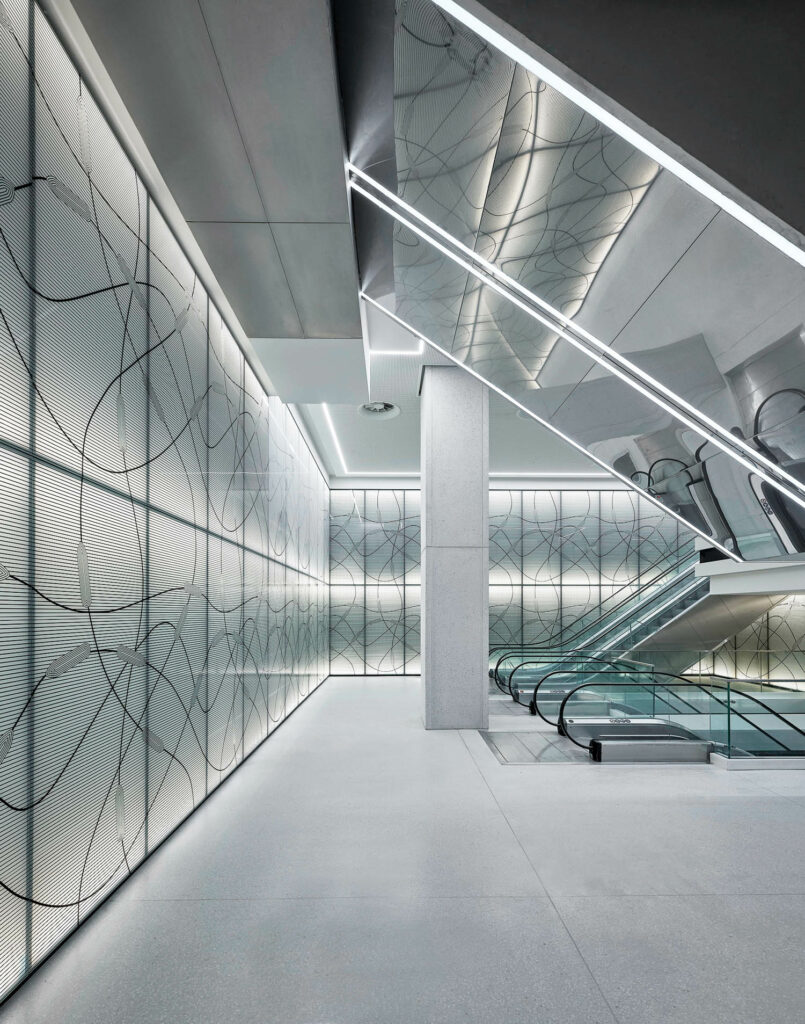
(651,150)
(603,360)
(712,542)
(551,476)
(328,417)
(695,419)
(397,352)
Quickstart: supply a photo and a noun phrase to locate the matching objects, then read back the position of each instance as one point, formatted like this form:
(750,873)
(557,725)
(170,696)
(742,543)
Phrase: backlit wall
(771,648)
(556,557)
(163,525)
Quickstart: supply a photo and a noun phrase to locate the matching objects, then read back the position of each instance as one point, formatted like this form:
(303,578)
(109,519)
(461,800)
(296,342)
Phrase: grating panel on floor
(532,748)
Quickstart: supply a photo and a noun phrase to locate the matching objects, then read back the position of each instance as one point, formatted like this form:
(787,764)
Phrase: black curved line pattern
(771,648)
(163,529)
(557,560)
(512,169)
(374,582)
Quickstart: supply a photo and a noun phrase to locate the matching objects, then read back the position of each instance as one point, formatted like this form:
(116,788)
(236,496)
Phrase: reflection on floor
(500,705)
(360,870)
(533,747)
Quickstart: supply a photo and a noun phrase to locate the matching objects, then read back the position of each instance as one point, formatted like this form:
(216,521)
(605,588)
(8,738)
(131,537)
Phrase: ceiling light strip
(396,352)
(631,135)
(514,475)
(607,355)
(554,430)
(336,442)
(729,447)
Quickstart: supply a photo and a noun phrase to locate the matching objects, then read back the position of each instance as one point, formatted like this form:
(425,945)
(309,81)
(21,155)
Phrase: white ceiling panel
(159,55)
(387,336)
(237,101)
(277,60)
(306,370)
(244,258)
(516,446)
(319,261)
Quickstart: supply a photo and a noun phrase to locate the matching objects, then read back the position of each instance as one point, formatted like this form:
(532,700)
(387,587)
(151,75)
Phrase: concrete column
(455,548)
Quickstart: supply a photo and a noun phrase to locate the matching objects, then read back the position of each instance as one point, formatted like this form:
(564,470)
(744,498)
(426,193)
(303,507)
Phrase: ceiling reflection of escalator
(639,319)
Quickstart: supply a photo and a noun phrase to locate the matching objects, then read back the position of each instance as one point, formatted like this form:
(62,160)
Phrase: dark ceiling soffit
(364,49)
(721,80)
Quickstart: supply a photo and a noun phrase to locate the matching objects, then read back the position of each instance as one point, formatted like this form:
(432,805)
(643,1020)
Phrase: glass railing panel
(766,719)
(742,723)
(592,689)
(609,617)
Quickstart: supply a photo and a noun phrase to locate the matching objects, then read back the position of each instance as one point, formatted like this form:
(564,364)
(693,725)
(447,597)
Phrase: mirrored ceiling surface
(598,244)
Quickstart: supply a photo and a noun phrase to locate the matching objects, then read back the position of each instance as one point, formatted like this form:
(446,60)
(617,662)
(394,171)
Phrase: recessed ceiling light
(379,410)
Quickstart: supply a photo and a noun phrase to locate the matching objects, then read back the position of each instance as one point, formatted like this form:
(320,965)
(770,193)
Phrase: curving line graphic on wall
(556,560)
(559,559)
(374,578)
(164,531)
(512,169)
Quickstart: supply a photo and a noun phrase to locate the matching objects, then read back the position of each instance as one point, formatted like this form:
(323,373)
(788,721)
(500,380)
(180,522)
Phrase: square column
(455,548)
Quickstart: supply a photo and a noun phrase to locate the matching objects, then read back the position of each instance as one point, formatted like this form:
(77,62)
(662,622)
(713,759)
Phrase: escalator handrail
(641,587)
(683,576)
(706,688)
(562,727)
(700,583)
(611,662)
(566,672)
(554,654)
(552,657)
(514,649)
(681,570)
(630,665)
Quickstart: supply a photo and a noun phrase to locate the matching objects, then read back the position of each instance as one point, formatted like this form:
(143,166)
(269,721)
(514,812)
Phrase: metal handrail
(553,654)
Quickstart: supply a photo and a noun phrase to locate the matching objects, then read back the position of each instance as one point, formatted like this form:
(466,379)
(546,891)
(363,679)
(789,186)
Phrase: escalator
(665,625)
(646,715)
(664,591)
(515,232)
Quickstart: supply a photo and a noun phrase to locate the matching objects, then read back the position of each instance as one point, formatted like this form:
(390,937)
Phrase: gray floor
(358,870)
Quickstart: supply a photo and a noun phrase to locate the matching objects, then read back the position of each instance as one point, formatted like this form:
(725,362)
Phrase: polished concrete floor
(358,870)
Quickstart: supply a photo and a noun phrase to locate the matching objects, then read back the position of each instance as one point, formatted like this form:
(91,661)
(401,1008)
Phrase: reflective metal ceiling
(510,168)
(621,254)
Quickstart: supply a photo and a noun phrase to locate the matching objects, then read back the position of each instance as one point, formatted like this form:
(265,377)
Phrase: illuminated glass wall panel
(556,559)
(771,648)
(374,582)
(163,525)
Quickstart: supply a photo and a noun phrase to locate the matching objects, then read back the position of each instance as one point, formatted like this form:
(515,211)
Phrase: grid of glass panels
(163,529)
(771,648)
(556,559)
(374,582)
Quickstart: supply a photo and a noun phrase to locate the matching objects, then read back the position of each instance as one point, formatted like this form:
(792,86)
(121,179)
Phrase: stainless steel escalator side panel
(659,750)
(709,622)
